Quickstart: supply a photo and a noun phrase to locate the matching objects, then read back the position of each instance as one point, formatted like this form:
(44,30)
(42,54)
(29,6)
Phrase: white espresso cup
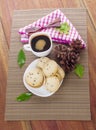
(28,47)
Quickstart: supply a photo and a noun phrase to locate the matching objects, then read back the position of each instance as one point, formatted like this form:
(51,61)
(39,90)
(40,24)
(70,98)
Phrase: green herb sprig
(24,97)
(64,28)
(21,58)
(79,70)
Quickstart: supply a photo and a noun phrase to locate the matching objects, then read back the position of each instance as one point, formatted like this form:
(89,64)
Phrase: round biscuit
(42,61)
(61,72)
(50,68)
(58,76)
(52,83)
(34,77)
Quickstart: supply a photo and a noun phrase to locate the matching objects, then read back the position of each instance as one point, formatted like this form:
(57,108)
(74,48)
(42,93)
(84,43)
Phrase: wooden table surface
(6,11)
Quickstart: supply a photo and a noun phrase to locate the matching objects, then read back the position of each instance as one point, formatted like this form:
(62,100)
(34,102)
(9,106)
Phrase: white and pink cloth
(53,32)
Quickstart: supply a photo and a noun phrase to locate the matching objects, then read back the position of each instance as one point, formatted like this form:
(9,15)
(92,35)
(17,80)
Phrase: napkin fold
(55,34)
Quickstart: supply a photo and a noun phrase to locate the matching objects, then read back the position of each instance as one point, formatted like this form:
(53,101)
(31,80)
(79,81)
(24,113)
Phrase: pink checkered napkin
(55,34)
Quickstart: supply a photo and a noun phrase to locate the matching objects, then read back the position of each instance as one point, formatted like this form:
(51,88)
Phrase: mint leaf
(21,58)
(79,70)
(64,28)
(24,97)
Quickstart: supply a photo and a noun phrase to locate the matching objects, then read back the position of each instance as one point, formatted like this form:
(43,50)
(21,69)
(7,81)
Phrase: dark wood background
(6,11)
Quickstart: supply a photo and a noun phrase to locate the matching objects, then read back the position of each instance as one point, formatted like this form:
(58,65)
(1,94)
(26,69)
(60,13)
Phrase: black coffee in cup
(40,43)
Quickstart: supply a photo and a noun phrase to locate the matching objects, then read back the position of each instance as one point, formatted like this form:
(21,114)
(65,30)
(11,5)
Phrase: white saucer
(41,91)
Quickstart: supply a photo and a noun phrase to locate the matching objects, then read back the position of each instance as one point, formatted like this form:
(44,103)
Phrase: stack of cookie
(47,73)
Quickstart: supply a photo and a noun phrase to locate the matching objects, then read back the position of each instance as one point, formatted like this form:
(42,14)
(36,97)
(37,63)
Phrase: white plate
(41,91)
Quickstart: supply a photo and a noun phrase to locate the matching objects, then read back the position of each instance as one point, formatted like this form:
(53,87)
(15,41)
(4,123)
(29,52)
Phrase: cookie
(42,61)
(50,68)
(34,77)
(52,83)
(61,72)
(58,76)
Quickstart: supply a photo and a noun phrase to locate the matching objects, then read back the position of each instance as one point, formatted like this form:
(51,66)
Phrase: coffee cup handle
(27,47)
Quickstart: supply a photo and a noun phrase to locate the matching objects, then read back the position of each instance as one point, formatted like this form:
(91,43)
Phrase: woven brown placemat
(71,102)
